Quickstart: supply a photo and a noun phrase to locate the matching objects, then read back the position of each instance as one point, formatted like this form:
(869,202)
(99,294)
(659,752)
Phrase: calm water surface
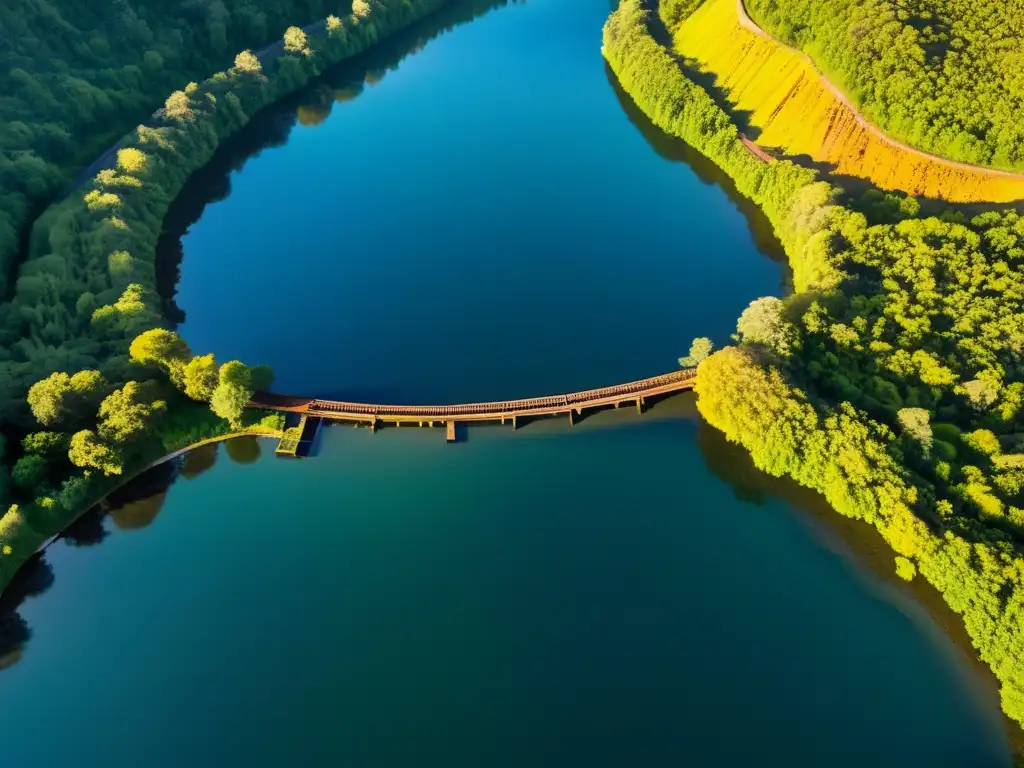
(485,219)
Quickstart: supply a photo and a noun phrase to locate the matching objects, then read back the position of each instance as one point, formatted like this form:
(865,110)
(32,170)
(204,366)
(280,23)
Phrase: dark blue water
(484,222)
(490,219)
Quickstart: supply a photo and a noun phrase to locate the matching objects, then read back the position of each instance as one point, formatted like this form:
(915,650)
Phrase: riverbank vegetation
(78,75)
(941,75)
(892,380)
(790,109)
(92,385)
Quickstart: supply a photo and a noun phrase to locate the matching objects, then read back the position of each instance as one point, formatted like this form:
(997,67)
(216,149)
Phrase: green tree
(120,264)
(131,160)
(87,449)
(30,472)
(179,107)
(905,568)
(699,349)
(61,398)
(246,61)
(295,41)
(981,393)
(983,440)
(915,423)
(233,393)
(763,322)
(237,373)
(201,377)
(49,445)
(162,348)
(127,413)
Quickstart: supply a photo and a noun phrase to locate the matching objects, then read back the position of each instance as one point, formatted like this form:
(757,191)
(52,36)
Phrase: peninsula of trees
(892,380)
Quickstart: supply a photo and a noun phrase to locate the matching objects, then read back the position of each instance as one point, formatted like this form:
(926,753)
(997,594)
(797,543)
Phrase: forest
(892,379)
(93,384)
(782,102)
(946,76)
(78,75)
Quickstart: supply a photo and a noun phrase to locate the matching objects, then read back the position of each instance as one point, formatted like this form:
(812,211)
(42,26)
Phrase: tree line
(892,380)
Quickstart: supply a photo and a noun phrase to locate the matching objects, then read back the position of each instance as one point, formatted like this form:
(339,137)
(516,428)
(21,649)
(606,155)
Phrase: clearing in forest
(798,112)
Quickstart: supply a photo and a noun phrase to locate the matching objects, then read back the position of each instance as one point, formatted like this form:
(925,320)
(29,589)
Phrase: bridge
(313,411)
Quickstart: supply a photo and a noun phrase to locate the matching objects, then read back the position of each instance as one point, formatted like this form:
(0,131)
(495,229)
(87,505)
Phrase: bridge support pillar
(513,423)
(571,421)
(373,425)
(449,434)
(639,405)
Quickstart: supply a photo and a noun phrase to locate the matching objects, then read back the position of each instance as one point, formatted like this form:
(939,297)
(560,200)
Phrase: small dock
(297,441)
(288,445)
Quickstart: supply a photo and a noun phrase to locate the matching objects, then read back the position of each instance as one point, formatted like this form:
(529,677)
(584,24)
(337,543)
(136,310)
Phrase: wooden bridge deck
(506,410)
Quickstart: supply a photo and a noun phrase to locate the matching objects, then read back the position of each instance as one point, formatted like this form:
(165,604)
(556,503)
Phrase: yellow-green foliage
(914,309)
(794,111)
(946,76)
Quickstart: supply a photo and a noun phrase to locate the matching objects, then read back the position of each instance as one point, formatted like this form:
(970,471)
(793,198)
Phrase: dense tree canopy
(942,75)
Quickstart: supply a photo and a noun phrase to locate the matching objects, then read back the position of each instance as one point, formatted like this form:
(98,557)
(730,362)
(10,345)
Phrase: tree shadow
(137,504)
(88,530)
(676,150)
(243,450)
(741,118)
(33,579)
(272,127)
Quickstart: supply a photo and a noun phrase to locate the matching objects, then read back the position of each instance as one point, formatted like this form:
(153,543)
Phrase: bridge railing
(580,399)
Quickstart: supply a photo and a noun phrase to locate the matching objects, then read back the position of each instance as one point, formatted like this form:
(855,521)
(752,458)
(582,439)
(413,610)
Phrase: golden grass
(799,114)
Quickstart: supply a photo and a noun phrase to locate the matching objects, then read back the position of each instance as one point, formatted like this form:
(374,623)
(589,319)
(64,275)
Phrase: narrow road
(749,24)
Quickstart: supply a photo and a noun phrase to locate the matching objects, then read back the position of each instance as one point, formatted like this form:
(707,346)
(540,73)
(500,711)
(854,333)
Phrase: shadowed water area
(462,216)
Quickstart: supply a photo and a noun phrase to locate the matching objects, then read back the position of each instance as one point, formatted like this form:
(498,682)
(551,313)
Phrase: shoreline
(259,433)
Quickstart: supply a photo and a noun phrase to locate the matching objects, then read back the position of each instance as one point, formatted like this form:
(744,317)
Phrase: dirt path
(750,25)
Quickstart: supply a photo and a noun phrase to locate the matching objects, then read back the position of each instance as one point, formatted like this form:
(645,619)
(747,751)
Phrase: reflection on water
(271,128)
(678,151)
(34,578)
(244,450)
(133,506)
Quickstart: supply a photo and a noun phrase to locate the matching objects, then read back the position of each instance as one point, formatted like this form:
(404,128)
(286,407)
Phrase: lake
(472,211)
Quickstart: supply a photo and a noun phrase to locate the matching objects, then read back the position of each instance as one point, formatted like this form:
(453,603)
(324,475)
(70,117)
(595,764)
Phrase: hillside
(792,109)
(946,76)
